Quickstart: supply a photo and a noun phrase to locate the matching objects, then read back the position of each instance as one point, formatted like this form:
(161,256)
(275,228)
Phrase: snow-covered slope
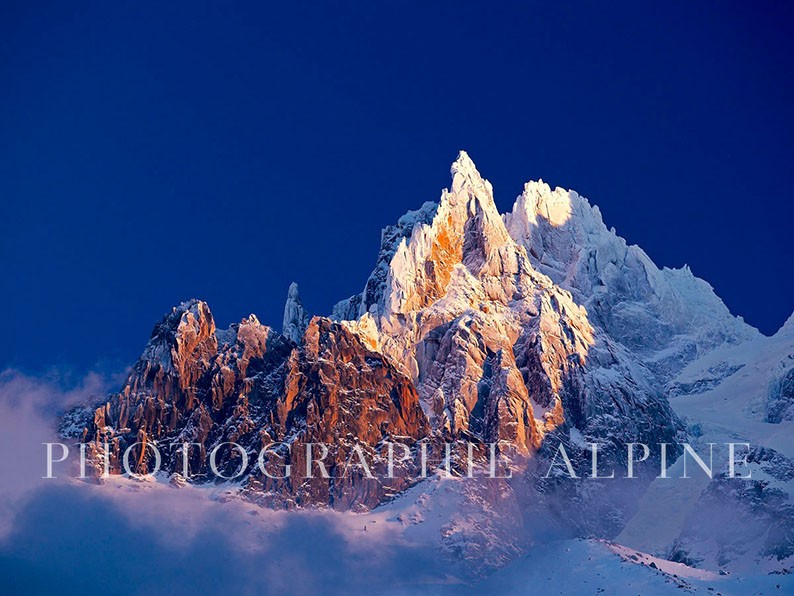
(595,567)
(742,394)
(666,316)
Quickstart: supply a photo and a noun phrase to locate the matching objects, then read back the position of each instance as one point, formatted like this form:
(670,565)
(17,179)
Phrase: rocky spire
(295,317)
(466,234)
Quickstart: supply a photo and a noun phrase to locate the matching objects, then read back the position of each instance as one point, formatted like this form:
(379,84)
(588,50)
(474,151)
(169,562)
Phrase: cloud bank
(65,536)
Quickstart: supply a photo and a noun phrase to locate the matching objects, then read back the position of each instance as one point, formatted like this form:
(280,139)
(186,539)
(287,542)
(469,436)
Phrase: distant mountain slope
(739,393)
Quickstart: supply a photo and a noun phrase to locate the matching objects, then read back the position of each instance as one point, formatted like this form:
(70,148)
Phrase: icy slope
(718,523)
(594,567)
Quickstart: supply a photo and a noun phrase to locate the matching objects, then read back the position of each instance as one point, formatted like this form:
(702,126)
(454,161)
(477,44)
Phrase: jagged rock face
(337,385)
(780,405)
(487,340)
(501,352)
(472,326)
(497,350)
(343,395)
(179,353)
(190,378)
(668,316)
(780,395)
(391,237)
(251,386)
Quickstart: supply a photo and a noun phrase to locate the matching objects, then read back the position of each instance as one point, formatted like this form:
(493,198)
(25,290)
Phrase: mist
(68,536)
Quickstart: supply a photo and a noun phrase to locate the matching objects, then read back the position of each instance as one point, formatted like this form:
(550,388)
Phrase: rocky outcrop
(251,386)
(295,317)
(780,404)
(190,379)
(351,400)
(780,395)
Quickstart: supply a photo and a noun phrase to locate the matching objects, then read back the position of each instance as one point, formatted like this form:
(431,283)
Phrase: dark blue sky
(150,155)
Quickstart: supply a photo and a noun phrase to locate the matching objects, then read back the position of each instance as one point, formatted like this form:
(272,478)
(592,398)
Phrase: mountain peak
(191,317)
(788,326)
(462,163)
(464,173)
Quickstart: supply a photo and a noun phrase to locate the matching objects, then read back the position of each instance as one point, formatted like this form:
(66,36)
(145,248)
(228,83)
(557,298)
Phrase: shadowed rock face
(734,520)
(337,386)
(780,405)
(345,396)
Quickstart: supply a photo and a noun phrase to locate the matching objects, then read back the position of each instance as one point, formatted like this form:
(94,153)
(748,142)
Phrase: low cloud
(66,536)
(157,539)
(28,416)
